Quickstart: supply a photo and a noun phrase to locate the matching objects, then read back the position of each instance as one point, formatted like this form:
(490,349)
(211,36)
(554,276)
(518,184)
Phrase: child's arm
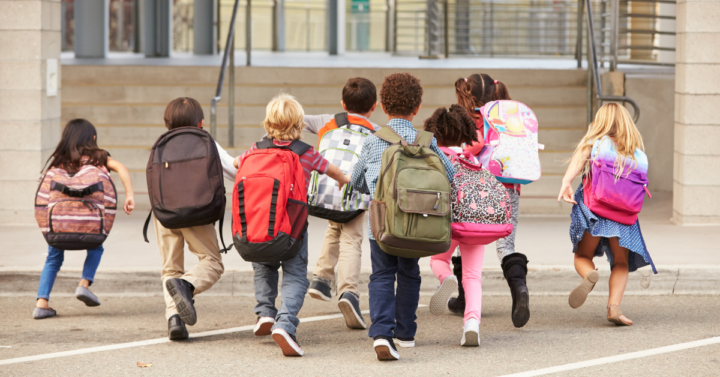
(576,165)
(228,163)
(335,173)
(358,173)
(118,167)
(313,123)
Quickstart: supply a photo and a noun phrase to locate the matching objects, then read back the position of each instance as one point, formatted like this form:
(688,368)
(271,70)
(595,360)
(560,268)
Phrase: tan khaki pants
(342,247)
(202,241)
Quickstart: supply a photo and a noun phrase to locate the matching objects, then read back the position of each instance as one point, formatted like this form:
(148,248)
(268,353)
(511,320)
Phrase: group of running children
(392,309)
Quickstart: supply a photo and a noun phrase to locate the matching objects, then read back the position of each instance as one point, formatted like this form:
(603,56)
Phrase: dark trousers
(393,313)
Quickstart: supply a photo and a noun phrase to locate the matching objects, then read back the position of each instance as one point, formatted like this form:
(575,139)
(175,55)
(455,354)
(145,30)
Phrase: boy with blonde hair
(284,124)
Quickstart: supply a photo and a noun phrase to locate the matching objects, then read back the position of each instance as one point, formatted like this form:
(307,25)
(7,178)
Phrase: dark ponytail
(477,90)
(452,128)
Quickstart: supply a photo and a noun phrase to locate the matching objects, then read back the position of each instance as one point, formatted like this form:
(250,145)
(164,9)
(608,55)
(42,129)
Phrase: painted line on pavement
(618,358)
(150,342)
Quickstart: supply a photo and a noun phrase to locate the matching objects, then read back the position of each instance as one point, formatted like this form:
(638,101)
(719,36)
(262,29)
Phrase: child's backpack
(613,194)
(410,213)
(269,203)
(341,141)
(511,142)
(76,211)
(480,204)
(185,180)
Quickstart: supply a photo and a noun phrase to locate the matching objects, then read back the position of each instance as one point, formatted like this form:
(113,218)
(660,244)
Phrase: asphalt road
(556,335)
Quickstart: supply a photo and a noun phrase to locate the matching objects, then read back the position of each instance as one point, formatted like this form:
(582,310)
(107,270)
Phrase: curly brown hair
(452,128)
(401,94)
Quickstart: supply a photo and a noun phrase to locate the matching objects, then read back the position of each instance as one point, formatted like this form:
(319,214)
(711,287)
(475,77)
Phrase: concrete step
(259,95)
(164,75)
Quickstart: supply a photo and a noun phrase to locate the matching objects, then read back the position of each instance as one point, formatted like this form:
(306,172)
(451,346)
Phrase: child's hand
(566,193)
(236,162)
(343,182)
(129,204)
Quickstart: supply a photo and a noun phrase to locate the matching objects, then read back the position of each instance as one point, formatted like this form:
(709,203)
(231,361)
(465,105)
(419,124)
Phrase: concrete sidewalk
(688,258)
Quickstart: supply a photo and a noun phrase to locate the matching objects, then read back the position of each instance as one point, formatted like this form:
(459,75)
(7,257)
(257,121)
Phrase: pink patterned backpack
(480,204)
(76,212)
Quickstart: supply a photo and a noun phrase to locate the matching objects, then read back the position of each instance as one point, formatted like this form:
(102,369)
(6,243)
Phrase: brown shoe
(615,316)
(580,293)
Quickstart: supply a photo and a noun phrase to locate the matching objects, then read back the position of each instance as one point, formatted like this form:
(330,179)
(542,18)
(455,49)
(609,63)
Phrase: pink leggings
(472,262)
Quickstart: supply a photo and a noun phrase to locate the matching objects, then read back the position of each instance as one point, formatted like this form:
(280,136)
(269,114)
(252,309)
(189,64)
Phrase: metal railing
(228,56)
(594,73)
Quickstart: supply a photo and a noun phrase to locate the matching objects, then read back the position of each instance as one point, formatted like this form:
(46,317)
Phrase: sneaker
(40,313)
(182,293)
(439,301)
(288,344)
(320,289)
(385,349)
(263,326)
(350,307)
(176,328)
(471,333)
(405,342)
(83,294)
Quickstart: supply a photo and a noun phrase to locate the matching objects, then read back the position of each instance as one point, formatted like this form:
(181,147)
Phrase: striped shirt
(367,170)
(310,160)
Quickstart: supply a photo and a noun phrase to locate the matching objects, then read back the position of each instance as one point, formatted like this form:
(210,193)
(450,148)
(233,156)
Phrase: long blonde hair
(284,118)
(612,120)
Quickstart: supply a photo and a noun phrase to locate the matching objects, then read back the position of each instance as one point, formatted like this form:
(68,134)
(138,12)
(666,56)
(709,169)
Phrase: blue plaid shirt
(367,169)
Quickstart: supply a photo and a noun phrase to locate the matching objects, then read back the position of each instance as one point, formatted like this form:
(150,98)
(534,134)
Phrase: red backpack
(270,202)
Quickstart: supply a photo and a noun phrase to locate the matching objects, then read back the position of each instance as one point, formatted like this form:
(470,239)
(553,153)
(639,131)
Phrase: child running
(392,310)
(473,93)
(611,136)
(77,148)
(284,124)
(342,246)
(452,129)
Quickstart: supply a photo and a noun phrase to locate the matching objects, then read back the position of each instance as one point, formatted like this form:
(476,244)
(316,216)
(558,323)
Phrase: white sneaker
(385,350)
(438,302)
(263,326)
(471,333)
(405,343)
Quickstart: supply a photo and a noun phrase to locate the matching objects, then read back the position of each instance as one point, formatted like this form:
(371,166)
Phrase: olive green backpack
(410,213)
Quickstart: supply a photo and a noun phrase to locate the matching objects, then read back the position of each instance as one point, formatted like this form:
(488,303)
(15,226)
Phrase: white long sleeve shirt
(229,171)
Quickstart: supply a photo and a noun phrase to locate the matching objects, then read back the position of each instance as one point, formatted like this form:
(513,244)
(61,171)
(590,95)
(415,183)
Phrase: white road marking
(149,342)
(618,358)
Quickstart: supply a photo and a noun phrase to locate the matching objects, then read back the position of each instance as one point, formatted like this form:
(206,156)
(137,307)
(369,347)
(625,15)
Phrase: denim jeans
(294,286)
(393,313)
(54,262)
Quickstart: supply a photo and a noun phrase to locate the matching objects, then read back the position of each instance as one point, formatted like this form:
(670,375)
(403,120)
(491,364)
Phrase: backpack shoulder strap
(423,138)
(389,135)
(298,147)
(341,120)
(265,143)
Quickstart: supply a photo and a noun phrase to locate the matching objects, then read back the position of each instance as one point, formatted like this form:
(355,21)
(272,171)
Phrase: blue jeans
(393,313)
(294,286)
(54,262)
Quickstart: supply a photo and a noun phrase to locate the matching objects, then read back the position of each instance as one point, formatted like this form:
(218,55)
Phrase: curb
(541,282)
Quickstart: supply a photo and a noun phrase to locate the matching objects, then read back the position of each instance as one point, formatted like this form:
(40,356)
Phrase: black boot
(457,304)
(515,271)
(176,328)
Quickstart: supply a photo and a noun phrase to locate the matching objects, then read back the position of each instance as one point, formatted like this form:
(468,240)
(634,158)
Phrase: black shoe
(515,271)
(405,342)
(176,328)
(182,293)
(320,289)
(350,307)
(457,304)
(385,348)
(287,342)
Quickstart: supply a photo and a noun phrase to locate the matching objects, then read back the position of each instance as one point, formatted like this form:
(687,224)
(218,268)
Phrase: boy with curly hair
(393,312)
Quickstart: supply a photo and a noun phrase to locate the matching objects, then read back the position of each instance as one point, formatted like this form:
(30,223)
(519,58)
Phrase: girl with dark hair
(452,129)
(78,147)
(473,93)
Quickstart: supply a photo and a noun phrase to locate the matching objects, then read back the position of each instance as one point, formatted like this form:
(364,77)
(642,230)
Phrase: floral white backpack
(480,204)
(511,142)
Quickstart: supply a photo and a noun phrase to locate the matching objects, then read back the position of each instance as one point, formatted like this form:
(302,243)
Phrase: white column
(29,101)
(696,197)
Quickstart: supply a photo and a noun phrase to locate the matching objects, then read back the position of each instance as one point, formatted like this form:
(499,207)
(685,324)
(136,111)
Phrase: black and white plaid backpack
(341,141)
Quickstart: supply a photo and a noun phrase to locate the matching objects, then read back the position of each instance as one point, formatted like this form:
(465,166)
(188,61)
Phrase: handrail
(592,58)
(223,66)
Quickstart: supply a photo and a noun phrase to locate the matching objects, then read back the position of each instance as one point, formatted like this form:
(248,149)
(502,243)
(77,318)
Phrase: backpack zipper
(437,202)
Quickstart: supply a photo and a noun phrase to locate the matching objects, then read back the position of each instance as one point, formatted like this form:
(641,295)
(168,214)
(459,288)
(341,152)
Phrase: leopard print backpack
(480,204)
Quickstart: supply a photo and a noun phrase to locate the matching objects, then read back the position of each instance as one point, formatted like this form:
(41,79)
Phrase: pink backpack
(480,204)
